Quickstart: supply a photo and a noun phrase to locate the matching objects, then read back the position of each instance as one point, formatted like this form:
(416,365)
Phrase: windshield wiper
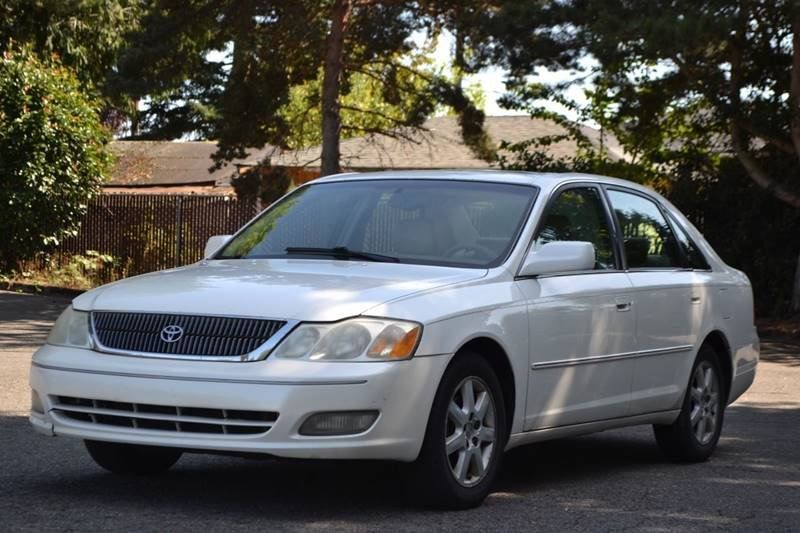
(342,252)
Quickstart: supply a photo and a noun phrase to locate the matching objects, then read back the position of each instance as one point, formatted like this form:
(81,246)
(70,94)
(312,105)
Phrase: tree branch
(741,146)
(386,62)
(781,144)
(356,109)
(394,134)
(756,171)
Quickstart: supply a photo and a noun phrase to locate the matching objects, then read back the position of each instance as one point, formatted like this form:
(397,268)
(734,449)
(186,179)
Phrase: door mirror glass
(215,243)
(559,256)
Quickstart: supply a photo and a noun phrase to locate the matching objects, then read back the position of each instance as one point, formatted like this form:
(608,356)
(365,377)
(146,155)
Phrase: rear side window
(647,238)
(694,257)
(578,214)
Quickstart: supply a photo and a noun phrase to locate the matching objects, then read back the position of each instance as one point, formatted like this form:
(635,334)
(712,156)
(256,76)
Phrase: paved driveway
(607,482)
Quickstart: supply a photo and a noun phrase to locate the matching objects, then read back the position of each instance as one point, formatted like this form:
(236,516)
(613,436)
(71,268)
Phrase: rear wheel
(465,436)
(132,459)
(694,435)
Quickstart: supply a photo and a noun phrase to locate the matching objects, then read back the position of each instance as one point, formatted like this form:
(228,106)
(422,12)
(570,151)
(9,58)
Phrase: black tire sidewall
(678,440)
(440,487)
(132,459)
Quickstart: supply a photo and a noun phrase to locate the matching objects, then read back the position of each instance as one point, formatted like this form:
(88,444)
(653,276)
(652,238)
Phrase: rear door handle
(695,299)
(623,305)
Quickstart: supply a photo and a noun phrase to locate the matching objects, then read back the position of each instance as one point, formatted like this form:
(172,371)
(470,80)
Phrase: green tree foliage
(227,70)
(517,36)
(753,231)
(83,35)
(251,72)
(52,155)
(219,69)
(367,104)
(702,95)
(690,82)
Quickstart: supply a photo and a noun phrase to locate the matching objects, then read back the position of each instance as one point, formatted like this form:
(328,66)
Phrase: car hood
(316,290)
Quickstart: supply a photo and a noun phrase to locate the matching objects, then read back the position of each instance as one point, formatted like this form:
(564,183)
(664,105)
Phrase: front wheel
(465,436)
(132,459)
(694,435)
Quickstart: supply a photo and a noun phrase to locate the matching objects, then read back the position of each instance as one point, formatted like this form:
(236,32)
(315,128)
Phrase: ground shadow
(782,351)
(753,469)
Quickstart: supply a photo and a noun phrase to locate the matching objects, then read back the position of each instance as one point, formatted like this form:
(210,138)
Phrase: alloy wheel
(704,413)
(470,431)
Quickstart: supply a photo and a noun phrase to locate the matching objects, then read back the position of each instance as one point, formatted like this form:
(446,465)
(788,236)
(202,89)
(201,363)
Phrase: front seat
(415,237)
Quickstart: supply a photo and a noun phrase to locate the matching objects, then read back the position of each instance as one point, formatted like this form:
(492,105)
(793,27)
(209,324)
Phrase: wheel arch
(497,357)
(717,340)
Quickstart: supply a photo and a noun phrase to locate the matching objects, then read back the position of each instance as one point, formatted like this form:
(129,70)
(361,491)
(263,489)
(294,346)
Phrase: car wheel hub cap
(470,431)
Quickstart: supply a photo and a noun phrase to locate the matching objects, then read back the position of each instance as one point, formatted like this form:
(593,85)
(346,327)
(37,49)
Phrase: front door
(582,324)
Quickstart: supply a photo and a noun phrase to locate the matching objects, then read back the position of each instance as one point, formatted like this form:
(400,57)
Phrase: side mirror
(559,256)
(215,243)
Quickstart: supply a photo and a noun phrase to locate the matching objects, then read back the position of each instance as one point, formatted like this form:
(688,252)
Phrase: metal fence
(148,232)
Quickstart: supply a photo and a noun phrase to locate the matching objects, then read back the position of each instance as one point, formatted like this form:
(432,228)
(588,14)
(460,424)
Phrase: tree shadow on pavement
(783,351)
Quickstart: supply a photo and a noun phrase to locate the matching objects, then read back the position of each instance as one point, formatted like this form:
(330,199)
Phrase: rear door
(580,323)
(669,301)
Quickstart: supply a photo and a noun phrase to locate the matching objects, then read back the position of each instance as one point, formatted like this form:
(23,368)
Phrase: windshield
(435,222)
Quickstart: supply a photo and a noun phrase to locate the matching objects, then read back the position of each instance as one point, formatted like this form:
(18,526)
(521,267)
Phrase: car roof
(545,180)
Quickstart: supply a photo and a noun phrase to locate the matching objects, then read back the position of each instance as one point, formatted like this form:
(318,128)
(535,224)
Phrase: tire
(132,459)
(691,439)
(463,478)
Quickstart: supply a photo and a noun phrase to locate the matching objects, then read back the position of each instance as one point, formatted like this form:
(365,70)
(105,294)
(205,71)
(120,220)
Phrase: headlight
(71,329)
(359,339)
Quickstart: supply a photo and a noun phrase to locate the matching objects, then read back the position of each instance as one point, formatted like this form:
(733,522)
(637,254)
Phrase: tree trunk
(331,83)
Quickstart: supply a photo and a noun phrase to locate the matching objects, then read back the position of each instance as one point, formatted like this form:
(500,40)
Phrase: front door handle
(695,299)
(623,305)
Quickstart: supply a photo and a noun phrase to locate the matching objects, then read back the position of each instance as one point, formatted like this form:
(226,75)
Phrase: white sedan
(436,318)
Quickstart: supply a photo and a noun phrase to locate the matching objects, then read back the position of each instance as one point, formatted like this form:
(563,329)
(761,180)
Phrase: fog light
(338,423)
(36,403)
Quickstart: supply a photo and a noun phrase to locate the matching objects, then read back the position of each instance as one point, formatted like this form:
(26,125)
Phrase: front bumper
(401,391)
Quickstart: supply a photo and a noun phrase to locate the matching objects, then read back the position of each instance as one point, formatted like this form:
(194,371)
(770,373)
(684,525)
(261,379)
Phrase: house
(183,167)
(438,145)
(173,167)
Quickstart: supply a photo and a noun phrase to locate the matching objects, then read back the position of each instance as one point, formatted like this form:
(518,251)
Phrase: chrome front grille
(149,417)
(199,335)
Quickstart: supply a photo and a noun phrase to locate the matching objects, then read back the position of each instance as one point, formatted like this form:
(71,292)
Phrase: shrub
(79,271)
(53,155)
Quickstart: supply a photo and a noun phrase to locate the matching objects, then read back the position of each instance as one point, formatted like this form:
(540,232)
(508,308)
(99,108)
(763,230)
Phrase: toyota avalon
(433,318)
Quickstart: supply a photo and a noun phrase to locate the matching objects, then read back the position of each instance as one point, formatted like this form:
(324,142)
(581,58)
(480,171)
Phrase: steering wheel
(482,251)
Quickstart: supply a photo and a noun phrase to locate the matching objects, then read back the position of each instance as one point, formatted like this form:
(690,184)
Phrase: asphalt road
(611,481)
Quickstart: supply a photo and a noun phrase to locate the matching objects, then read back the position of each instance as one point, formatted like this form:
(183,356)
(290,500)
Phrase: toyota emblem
(171,333)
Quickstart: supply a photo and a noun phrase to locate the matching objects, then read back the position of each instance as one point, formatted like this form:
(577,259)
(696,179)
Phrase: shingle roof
(152,163)
(441,145)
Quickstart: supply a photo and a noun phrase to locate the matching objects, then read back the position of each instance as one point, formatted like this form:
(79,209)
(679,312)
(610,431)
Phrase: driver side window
(577,214)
